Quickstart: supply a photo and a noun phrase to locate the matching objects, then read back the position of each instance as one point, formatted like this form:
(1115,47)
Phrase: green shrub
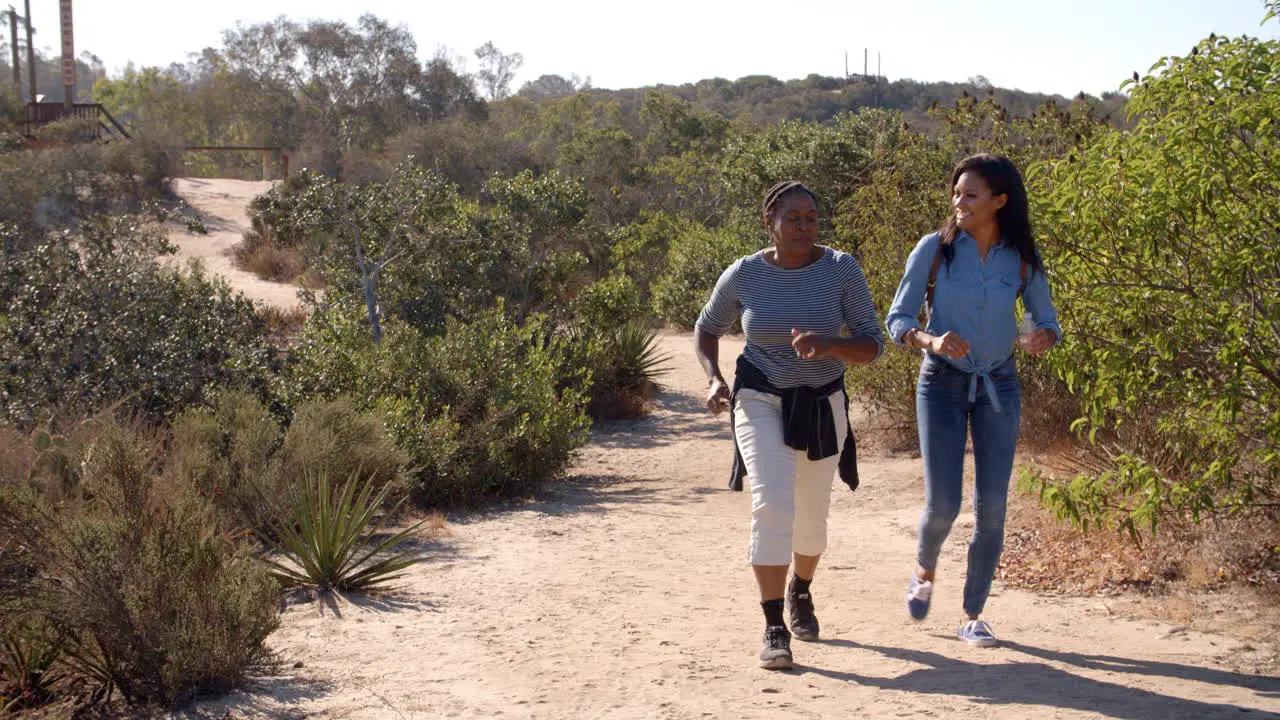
(62,186)
(607,303)
(30,650)
(229,455)
(626,364)
(695,260)
(611,350)
(336,438)
(480,409)
(236,454)
(90,320)
(1170,289)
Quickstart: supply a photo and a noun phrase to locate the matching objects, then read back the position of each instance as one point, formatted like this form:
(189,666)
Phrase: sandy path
(623,593)
(222,205)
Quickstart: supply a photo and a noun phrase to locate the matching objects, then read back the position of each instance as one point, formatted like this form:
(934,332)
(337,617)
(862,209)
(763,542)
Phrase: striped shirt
(825,297)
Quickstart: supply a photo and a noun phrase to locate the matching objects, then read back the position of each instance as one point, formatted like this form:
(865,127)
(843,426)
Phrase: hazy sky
(1062,47)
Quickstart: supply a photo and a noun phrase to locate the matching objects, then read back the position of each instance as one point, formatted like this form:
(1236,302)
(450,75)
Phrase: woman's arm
(715,320)
(909,298)
(857,350)
(1038,302)
(707,348)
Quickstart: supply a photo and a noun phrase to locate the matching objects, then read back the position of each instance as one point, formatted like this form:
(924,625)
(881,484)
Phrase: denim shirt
(972,298)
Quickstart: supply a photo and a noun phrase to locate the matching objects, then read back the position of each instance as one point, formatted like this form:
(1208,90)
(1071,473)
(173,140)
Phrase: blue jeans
(945,413)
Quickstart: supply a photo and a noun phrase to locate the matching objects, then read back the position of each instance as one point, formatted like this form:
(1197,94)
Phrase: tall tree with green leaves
(1168,276)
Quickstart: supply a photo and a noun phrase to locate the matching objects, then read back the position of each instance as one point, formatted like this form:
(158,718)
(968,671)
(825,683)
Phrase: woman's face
(794,224)
(974,203)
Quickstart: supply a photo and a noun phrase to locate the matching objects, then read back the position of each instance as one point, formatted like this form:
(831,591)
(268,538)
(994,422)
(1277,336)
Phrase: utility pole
(68,56)
(13,45)
(31,56)
(879,77)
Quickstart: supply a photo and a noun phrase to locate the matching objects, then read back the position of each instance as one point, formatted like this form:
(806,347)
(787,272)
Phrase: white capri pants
(790,494)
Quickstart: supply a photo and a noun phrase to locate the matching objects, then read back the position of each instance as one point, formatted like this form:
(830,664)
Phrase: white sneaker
(977,633)
(919,593)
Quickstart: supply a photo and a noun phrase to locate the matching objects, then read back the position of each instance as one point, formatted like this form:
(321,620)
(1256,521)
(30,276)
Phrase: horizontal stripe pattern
(827,297)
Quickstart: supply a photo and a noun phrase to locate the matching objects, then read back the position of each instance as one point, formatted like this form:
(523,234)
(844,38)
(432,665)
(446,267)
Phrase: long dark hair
(1014,218)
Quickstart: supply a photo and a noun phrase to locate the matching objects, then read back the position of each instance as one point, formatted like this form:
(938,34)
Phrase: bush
(146,587)
(613,349)
(478,409)
(89,320)
(1170,291)
(64,185)
(336,438)
(260,257)
(327,540)
(236,454)
(228,455)
(697,257)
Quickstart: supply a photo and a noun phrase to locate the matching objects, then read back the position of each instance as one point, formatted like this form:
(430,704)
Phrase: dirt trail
(222,204)
(623,593)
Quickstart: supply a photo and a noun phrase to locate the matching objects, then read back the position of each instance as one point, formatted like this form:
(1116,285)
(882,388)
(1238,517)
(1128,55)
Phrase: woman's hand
(1039,341)
(718,396)
(809,345)
(950,345)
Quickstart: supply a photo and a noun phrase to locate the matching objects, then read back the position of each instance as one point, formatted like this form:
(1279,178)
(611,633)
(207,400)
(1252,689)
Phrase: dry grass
(616,403)
(283,325)
(258,255)
(435,525)
(1222,574)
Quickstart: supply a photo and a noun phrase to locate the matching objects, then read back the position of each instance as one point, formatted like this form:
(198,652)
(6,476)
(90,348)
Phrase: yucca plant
(626,363)
(639,363)
(30,651)
(325,539)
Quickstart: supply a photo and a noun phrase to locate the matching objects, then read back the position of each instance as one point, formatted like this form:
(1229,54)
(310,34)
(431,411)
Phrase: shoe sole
(806,637)
(778,663)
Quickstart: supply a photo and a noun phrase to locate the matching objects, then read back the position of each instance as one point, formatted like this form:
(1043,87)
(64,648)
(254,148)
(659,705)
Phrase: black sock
(773,612)
(799,586)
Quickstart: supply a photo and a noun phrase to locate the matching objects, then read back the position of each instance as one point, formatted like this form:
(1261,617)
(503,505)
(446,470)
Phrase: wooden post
(284,166)
(68,56)
(31,57)
(13,45)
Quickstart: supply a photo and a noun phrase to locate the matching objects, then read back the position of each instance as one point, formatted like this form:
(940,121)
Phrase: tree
(548,87)
(497,70)
(1169,281)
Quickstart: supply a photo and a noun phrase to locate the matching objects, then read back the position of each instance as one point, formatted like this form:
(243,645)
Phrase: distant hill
(816,98)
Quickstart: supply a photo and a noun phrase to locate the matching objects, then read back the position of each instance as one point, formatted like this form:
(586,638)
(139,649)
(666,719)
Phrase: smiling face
(793,224)
(974,203)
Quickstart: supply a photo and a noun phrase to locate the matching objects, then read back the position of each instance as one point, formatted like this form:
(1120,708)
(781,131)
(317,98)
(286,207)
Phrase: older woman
(970,275)
(807,312)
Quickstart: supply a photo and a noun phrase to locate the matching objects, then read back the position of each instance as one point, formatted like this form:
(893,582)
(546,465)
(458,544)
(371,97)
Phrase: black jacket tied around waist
(807,423)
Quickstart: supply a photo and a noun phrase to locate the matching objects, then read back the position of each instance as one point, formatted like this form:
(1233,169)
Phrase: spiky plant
(326,539)
(639,362)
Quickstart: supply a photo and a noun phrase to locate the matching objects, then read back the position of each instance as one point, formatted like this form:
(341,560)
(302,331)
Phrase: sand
(221,204)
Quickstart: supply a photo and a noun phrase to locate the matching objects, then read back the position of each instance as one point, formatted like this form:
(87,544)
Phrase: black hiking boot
(776,653)
(804,624)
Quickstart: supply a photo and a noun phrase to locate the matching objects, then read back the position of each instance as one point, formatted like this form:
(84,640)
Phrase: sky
(1062,47)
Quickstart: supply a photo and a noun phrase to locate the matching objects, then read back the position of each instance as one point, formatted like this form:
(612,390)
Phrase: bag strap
(933,276)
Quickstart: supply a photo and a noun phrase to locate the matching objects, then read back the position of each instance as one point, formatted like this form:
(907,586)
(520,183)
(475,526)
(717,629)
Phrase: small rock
(772,691)
(297,664)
